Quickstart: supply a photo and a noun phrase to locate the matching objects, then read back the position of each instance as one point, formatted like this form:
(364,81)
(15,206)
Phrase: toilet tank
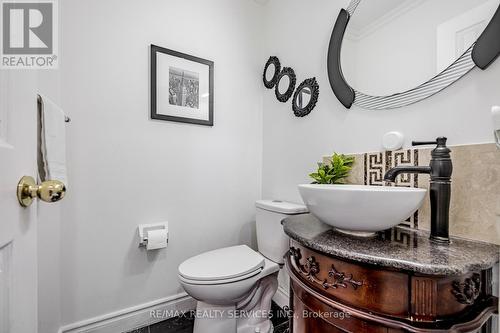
(271,239)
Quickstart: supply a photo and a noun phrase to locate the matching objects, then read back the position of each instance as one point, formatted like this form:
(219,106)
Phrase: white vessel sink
(361,210)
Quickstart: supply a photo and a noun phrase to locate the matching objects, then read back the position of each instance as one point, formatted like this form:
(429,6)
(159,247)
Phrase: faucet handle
(423,143)
(441,141)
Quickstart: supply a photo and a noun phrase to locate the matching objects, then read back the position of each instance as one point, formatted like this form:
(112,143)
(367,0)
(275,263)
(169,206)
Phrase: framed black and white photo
(182,87)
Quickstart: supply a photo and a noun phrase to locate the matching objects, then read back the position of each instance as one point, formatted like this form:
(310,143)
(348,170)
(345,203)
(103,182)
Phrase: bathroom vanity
(397,281)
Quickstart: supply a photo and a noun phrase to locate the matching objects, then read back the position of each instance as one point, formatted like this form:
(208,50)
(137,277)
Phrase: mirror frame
(277,69)
(481,54)
(286,71)
(313,86)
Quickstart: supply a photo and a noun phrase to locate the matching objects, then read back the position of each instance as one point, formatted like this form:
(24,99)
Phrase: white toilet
(234,286)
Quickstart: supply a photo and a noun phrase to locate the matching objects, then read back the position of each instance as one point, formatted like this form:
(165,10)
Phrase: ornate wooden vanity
(398,281)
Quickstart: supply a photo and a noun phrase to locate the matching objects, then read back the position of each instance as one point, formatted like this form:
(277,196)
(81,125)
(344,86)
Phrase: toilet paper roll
(157,239)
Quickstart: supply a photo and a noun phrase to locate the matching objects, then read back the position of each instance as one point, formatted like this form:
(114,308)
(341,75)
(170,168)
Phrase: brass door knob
(49,191)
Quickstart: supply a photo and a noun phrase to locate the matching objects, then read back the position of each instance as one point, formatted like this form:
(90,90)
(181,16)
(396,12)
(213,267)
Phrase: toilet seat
(227,291)
(224,265)
(223,281)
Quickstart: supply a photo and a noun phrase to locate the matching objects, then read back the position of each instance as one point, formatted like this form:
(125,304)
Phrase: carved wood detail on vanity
(384,300)
(311,268)
(341,280)
(467,292)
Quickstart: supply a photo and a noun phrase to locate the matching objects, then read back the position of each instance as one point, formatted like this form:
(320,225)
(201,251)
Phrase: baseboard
(134,317)
(281,298)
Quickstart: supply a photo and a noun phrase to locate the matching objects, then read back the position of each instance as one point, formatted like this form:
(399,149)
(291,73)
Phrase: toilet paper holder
(144,228)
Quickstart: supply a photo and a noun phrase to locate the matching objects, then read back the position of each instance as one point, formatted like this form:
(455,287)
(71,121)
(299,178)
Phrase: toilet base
(249,315)
(217,319)
(214,319)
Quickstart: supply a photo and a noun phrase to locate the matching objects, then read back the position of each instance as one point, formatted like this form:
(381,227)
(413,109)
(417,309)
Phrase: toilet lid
(283,207)
(221,264)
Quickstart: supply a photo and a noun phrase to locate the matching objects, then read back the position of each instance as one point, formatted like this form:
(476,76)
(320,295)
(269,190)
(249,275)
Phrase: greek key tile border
(377,164)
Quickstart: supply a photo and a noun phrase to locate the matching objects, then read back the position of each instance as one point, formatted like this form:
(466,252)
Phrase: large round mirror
(392,47)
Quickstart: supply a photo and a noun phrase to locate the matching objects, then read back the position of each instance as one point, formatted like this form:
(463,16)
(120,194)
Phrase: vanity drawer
(328,319)
(376,290)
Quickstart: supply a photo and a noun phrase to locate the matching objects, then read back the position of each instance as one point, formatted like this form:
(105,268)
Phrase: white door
(18,226)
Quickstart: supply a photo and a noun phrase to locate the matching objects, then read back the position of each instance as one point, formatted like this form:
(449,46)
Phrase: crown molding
(357,34)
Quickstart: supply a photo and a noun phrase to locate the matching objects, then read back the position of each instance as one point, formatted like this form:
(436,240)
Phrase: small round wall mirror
(305,97)
(386,54)
(271,71)
(285,85)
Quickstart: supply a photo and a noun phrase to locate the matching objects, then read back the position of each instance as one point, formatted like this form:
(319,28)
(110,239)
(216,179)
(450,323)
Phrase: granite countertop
(399,248)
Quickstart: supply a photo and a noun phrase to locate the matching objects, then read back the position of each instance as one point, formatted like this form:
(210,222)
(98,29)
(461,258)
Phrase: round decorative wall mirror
(305,97)
(271,71)
(386,54)
(285,84)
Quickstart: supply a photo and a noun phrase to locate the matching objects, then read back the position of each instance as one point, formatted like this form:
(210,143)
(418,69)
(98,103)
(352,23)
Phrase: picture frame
(182,87)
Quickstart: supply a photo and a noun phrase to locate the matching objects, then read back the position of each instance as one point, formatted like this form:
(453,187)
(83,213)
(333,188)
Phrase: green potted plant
(335,171)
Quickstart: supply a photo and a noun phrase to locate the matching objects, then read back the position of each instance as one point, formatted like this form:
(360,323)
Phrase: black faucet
(440,169)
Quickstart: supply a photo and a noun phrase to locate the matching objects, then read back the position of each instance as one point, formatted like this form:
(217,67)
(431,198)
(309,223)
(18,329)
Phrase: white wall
(126,169)
(299,33)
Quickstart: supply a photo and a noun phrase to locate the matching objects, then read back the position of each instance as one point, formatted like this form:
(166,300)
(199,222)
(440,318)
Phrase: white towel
(53,143)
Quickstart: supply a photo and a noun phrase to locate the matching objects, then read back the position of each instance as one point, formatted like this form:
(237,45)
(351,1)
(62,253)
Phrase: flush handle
(48,191)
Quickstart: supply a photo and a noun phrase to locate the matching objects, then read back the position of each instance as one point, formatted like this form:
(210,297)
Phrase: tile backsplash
(375,165)
(475,201)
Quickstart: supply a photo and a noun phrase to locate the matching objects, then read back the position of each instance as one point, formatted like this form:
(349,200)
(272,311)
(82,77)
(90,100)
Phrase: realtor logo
(29,34)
